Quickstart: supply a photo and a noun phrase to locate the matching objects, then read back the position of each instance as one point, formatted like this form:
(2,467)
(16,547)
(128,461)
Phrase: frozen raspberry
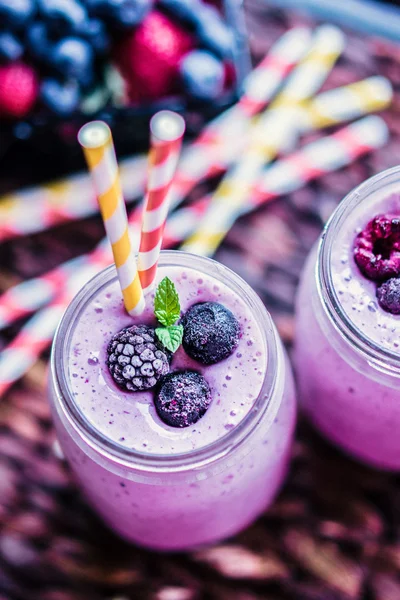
(388,294)
(18,89)
(210,332)
(377,248)
(136,359)
(182,398)
(149,57)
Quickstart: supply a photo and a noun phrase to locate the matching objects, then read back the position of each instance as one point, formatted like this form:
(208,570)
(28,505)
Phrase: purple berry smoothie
(165,487)
(347,351)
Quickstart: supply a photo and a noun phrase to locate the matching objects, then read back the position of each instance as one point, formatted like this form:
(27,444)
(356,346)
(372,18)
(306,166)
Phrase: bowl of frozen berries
(66,61)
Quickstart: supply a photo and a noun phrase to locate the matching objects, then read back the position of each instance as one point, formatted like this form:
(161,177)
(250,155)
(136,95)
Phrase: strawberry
(149,57)
(18,89)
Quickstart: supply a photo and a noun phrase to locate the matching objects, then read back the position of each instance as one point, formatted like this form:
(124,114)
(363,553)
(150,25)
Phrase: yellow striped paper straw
(347,103)
(275,130)
(96,141)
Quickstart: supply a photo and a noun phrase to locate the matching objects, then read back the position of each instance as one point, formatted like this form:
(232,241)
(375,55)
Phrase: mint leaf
(166,303)
(170,337)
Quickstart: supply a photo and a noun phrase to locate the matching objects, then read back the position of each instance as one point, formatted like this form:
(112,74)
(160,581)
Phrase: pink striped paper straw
(36,209)
(167,129)
(316,159)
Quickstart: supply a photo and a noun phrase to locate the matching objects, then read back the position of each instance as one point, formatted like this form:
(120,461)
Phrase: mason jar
(347,348)
(177,499)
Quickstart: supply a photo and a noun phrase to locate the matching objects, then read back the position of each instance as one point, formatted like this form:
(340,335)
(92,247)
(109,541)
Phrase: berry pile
(58,54)
(377,255)
(137,361)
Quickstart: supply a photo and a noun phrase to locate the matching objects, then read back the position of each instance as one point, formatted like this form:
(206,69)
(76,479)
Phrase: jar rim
(381,358)
(130,458)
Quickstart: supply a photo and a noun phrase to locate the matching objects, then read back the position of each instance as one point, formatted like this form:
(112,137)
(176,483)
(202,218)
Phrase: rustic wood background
(334,532)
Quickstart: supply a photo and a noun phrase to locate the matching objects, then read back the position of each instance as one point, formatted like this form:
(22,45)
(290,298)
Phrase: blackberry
(182,398)
(388,294)
(136,359)
(210,332)
(377,248)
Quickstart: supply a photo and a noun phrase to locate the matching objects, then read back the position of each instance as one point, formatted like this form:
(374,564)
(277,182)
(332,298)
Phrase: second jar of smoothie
(347,351)
(172,481)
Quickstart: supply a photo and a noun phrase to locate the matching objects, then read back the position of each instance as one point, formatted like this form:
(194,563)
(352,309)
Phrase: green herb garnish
(167,309)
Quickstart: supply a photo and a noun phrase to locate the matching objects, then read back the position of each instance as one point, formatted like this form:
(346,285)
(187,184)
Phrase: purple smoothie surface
(130,418)
(357,294)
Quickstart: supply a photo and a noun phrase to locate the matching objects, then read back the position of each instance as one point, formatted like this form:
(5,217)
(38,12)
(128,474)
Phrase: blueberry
(15,14)
(11,48)
(388,294)
(122,13)
(213,33)
(61,98)
(377,248)
(73,58)
(95,32)
(182,398)
(210,332)
(37,41)
(202,75)
(63,16)
(185,10)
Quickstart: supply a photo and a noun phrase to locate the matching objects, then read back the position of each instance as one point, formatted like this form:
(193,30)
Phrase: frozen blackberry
(388,294)
(182,398)
(377,248)
(210,332)
(136,359)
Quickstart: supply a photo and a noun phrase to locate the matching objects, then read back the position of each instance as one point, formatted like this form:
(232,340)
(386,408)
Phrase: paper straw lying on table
(294,171)
(315,159)
(271,133)
(39,208)
(167,129)
(346,103)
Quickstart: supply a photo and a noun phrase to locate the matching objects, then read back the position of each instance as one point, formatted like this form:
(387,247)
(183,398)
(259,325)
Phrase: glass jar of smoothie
(166,487)
(347,347)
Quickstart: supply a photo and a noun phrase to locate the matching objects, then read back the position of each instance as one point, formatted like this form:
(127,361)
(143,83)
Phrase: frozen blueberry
(61,98)
(95,32)
(213,33)
(185,10)
(14,14)
(182,398)
(136,359)
(37,41)
(202,74)
(122,13)
(73,58)
(388,294)
(377,248)
(210,332)
(10,47)
(62,16)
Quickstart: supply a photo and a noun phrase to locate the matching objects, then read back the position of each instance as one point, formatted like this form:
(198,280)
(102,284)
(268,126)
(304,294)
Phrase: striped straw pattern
(167,129)
(315,159)
(98,147)
(347,102)
(293,172)
(224,138)
(274,131)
